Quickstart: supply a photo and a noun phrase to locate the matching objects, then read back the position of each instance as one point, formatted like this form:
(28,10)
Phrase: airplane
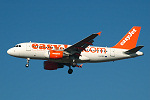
(58,55)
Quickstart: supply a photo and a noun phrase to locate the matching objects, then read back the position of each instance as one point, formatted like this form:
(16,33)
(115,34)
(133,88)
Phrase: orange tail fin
(130,39)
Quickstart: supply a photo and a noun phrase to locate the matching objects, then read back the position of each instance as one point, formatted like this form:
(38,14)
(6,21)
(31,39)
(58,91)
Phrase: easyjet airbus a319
(58,55)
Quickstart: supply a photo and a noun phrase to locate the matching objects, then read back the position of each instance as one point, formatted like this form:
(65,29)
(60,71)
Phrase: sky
(67,22)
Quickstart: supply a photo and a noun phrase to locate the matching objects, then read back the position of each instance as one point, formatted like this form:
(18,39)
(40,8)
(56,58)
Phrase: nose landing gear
(27,65)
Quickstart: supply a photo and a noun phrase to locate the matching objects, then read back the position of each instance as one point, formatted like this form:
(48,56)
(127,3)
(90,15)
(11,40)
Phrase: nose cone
(13,52)
(10,52)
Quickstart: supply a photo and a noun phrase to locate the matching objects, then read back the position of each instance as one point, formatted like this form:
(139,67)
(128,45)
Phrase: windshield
(17,46)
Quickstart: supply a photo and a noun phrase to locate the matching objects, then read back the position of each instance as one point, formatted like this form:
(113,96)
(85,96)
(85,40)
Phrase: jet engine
(52,65)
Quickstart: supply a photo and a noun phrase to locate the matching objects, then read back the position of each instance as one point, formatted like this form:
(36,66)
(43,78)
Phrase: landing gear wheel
(70,71)
(27,65)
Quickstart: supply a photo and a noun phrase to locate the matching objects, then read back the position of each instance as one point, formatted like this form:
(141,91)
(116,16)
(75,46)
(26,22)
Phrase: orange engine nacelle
(55,54)
(52,65)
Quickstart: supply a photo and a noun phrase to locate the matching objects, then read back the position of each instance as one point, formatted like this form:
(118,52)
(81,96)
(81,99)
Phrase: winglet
(99,33)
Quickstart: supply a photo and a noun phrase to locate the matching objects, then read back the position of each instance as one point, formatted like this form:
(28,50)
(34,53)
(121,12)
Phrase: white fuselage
(90,54)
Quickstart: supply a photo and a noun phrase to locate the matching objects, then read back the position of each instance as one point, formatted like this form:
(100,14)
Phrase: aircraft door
(28,46)
(112,52)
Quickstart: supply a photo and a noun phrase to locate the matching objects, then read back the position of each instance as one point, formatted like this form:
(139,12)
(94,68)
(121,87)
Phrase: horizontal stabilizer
(134,50)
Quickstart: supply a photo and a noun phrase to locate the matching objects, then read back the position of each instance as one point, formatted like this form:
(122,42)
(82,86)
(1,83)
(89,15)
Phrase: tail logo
(128,37)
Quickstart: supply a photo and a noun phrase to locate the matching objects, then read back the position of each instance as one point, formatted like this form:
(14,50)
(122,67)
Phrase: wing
(78,47)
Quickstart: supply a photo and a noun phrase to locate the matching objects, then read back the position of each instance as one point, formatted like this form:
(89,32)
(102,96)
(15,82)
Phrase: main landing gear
(70,70)
(74,64)
(27,65)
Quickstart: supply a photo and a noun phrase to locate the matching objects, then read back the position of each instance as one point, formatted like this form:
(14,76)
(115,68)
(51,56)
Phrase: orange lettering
(35,46)
(65,46)
(42,46)
(86,50)
(49,47)
(56,47)
(103,49)
(61,48)
(97,50)
(93,51)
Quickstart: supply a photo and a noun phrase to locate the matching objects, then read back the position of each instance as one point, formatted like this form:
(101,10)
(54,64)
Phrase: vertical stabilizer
(130,39)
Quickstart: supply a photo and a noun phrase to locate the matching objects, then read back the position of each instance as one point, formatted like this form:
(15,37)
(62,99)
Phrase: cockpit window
(17,45)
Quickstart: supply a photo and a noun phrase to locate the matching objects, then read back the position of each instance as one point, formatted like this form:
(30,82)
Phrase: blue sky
(66,22)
